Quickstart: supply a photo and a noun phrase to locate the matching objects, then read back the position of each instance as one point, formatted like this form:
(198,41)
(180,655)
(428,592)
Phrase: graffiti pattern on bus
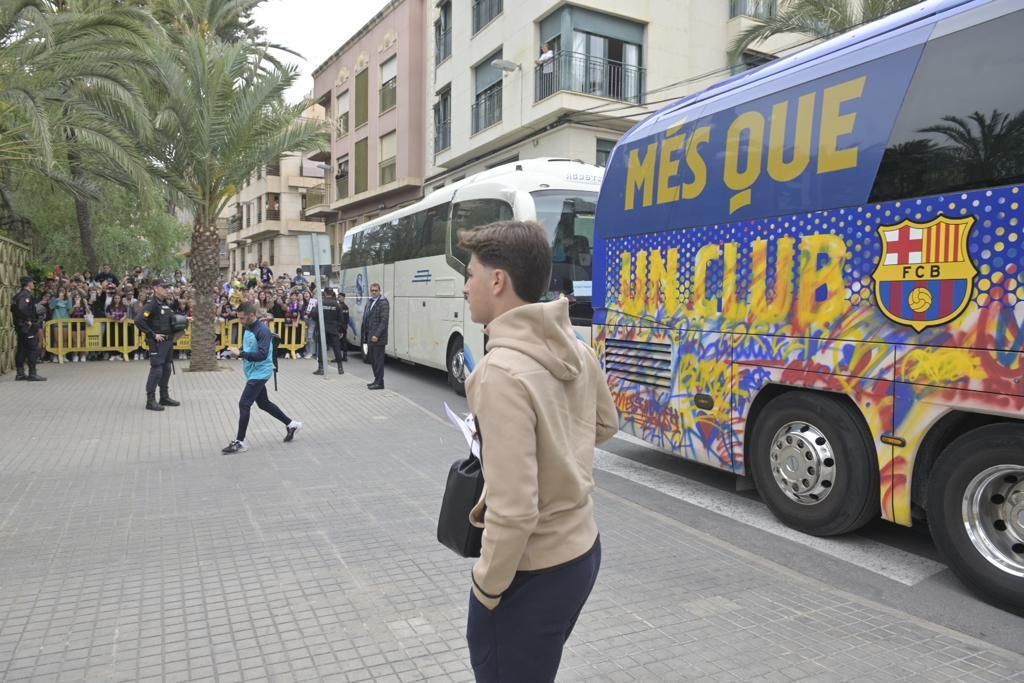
(792,301)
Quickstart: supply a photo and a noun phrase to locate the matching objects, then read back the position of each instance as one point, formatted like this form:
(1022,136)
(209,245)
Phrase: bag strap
(480,436)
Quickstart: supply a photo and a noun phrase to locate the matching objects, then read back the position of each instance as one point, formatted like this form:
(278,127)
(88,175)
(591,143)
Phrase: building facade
(373,91)
(269,218)
(498,95)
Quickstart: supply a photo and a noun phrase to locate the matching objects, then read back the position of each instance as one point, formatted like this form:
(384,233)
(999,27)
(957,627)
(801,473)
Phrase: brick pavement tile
(142,553)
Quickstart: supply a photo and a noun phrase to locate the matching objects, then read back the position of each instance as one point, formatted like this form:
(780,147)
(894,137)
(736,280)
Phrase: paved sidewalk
(131,549)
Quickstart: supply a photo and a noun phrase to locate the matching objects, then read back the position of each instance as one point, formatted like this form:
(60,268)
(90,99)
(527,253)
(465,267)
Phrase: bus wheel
(457,366)
(813,462)
(976,512)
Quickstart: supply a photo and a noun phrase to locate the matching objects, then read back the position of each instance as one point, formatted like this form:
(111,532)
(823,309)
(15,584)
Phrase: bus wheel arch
(813,460)
(976,496)
(455,364)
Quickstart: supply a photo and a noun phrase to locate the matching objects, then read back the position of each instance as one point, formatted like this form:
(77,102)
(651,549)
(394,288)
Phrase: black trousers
(27,352)
(159,366)
(333,342)
(256,392)
(377,363)
(522,638)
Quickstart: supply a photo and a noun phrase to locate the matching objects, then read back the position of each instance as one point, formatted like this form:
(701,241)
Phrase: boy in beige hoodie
(542,403)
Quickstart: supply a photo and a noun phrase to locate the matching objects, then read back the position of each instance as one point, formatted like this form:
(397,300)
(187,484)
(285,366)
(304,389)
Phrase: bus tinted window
(569,219)
(429,231)
(962,122)
(475,213)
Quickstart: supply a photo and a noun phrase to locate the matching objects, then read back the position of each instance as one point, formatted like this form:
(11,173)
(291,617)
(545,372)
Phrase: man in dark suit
(374,333)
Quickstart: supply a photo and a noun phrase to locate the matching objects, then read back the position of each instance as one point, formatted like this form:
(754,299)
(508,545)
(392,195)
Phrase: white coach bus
(413,254)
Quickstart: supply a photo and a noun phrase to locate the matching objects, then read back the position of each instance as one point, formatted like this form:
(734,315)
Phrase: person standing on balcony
(546,62)
(266,274)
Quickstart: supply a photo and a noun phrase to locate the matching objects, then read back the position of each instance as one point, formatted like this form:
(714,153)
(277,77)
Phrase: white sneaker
(293,427)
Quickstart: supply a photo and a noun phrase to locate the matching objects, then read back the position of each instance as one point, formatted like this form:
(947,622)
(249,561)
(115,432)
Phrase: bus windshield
(569,220)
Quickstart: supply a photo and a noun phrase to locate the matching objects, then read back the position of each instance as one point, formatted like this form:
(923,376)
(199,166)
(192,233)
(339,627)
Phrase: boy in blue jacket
(257,354)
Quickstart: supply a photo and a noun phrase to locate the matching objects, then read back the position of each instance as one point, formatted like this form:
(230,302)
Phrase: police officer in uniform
(26,326)
(332,330)
(155,321)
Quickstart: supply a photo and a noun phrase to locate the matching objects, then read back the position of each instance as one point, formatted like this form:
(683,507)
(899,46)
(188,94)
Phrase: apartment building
(269,218)
(498,96)
(373,91)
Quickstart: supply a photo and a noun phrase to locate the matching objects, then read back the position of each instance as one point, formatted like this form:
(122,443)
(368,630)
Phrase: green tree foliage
(815,18)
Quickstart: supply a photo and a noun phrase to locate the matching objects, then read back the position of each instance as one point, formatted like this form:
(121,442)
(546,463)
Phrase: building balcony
(234,224)
(442,46)
(576,72)
(443,136)
(389,95)
(273,214)
(486,111)
(759,9)
(341,187)
(273,170)
(317,201)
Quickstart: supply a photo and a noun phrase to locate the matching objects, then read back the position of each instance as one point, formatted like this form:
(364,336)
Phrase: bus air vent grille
(640,362)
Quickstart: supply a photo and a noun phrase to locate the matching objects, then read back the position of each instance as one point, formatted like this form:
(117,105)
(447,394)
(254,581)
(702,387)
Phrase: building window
(388,149)
(362,95)
(389,87)
(443,120)
(761,9)
(341,178)
(342,114)
(604,152)
(443,34)
(271,258)
(273,207)
(487,104)
(361,180)
(484,12)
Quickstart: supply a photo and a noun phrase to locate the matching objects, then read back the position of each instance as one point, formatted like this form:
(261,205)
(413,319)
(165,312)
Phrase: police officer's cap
(25,279)
(160,282)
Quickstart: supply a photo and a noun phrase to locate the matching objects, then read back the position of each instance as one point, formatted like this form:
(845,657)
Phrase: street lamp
(505,65)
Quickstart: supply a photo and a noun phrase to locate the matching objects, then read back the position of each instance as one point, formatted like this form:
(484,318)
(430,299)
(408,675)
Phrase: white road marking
(875,557)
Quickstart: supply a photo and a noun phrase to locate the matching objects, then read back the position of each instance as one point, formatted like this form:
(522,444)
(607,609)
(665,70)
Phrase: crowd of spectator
(90,296)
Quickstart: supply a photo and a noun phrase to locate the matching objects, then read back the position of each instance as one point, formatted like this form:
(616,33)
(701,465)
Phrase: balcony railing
(273,214)
(443,136)
(234,224)
(387,171)
(760,9)
(341,187)
(484,11)
(577,72)
(487,109)
(316,196)
(273,170)
(343,124)
(388,95)
(442,45)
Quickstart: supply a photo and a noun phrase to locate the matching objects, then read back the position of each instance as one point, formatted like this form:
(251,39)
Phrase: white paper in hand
(467,426)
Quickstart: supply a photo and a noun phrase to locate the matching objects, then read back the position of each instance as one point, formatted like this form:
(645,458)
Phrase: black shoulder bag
(461,493)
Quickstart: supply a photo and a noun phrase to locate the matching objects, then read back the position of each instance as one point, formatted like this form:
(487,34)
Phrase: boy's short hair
(248,307)
(520,248)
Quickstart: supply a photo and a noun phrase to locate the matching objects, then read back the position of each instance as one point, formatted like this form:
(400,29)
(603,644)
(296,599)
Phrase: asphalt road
(896,566)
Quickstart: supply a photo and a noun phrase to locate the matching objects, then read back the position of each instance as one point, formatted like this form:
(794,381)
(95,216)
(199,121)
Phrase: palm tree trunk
(204,264)
(83,211)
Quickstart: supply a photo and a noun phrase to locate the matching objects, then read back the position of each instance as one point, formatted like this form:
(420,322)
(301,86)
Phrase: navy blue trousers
(256,392)
(521,640)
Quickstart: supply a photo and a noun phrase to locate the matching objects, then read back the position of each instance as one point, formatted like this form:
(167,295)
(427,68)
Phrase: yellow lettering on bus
(633,291)
(701,304)
(835,124)
(695,162)
(669,166)
(664,281)
(778,168)
(776,311)
(753,123)
(813,277)
(640,175)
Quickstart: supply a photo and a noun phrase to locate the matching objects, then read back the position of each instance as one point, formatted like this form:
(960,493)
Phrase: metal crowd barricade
(74,335)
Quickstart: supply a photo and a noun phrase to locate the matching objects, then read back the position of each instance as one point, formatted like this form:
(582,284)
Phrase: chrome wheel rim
(993,510)
(459,365)
(803,463)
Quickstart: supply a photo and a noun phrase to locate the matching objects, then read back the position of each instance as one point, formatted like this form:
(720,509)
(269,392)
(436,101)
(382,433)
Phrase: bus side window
(957,131)
(476,213)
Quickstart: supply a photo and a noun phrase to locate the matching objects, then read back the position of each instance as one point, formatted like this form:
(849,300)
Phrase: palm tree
(983,146)
(221,116)
(815,18)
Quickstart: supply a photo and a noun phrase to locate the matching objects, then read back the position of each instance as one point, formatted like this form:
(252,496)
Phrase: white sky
(315,29)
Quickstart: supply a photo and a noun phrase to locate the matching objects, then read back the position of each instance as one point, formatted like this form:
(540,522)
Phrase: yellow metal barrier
(73,335)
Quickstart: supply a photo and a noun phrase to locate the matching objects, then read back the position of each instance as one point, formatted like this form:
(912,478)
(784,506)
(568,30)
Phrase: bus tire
(456,364)
(814,464)
(976,512)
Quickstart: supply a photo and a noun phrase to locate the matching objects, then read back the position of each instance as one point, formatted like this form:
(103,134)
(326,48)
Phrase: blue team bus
(811,274)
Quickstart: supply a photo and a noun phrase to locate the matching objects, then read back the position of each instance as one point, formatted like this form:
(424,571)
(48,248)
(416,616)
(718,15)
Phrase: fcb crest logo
(925,276)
